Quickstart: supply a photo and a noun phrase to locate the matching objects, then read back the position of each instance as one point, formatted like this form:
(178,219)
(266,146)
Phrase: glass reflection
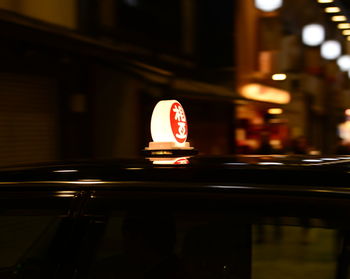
(65,171)
(170,161)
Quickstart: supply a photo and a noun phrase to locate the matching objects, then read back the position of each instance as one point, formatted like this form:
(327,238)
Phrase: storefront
(261,128)
(262,120)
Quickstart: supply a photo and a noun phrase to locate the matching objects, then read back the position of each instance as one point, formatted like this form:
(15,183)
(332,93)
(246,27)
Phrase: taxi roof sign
(168,123)
(169,128)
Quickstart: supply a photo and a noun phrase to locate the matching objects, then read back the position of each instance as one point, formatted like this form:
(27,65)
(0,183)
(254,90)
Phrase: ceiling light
(279,76)
(346,32)
(344,63)
(268,5)
(325,1)
(343,25)
(330,50)
(313,34)
(274,111)
(332,10)
(338,18)
(259,92)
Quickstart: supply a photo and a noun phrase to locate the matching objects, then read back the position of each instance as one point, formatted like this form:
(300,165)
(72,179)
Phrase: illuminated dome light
(268,5)
(325,1)
(330,50)
(346,32)
(344,62)
(313,34)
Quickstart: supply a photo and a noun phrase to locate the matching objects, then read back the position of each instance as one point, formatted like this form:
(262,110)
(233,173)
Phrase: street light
(268,5)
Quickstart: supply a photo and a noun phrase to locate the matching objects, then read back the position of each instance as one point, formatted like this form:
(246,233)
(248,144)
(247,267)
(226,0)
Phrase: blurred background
(79,78)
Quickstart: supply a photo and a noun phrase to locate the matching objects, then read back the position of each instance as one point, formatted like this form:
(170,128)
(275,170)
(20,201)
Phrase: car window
(150,244)
(195,244)
(37,235)
(24,243)
(302,249)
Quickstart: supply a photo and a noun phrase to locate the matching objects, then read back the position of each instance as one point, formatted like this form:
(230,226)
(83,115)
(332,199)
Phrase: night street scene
(174,139)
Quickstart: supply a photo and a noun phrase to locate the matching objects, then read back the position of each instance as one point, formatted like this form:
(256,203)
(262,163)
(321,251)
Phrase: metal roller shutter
(28,119)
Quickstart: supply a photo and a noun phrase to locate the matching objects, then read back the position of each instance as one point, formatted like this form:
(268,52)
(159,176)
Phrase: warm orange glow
(265,61)
(344,131)
(274,111)
(347,112)
(325,1)
(332,10)
(264,93)
(343,26)
(279,76)
(348,38)
(346,32)
(338,18)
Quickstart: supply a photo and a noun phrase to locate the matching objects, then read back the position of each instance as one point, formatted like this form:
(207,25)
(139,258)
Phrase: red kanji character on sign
(178,122)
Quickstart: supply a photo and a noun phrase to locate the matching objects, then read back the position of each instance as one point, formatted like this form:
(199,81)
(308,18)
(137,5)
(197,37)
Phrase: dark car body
(206,217)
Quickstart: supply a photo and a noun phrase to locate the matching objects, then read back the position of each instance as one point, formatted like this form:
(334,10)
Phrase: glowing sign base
(170,149)
(159,149)
(168,145)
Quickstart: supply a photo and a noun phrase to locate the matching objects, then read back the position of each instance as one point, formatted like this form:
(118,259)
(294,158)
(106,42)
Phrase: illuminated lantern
(169,128)
(168,123)
(313,34)
(268,5)
(330,50)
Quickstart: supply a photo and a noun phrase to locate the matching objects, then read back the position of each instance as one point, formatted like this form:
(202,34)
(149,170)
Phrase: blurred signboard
(263,93)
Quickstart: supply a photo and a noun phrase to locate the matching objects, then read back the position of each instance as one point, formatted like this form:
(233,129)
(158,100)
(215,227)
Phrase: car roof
(264,169)
(259,178)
